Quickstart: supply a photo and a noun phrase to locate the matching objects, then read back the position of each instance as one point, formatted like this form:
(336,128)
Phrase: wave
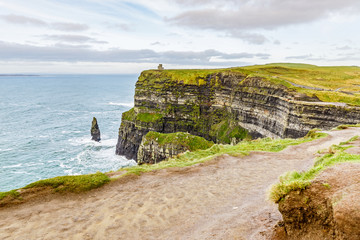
(92,160)
(122,104)
(6,149)
(13,166)
(88,142)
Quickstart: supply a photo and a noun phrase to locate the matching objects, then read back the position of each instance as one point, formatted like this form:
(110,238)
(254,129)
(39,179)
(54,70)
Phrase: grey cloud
(69,27)
(156,43)
(118,26)
(17,19)
(63,53)
(252,38)
(74,46)
(207,2)
(231,15)
(60,26)
(308,56)
(344,48)
(72,38)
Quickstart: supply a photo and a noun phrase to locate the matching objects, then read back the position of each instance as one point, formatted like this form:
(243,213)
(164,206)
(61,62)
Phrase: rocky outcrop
(223,106)
(95,131)
(156,147)
(327,209)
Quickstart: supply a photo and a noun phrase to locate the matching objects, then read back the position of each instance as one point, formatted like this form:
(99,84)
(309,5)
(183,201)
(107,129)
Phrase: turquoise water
(46,120)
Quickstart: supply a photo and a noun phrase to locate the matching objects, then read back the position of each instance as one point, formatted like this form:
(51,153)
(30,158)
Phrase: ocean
(46,120)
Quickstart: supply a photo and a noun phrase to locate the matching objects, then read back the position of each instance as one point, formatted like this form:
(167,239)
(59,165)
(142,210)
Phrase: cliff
(156,147)
(228,105)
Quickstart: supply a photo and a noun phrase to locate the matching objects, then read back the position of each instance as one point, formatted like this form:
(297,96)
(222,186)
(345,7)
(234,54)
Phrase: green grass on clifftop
(332,84)
(63,184)
(78,183)
(241,149)
(293,181)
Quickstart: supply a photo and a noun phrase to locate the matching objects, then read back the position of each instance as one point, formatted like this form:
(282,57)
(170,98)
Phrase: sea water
(45,124)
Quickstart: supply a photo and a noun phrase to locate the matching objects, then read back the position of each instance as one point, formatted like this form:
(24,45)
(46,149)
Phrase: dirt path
(221,199)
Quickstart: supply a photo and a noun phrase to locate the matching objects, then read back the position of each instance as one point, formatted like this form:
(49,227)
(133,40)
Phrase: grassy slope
(334,80)
(292,181)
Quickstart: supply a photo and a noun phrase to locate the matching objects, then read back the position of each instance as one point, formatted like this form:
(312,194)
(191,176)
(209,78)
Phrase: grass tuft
(76,184)
(12,193)
(293,181)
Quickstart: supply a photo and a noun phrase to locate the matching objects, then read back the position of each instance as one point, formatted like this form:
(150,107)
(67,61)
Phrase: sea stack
(95,131)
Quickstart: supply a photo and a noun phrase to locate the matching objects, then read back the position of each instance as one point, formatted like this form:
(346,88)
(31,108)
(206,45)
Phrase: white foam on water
(66,132)
(88,142)
(13,166)
(30,164)
(6,149)
(82,141)
(122,104)
(98,157)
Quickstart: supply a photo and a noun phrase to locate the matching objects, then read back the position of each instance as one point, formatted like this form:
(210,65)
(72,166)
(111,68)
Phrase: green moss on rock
(129,115)
(142,116)
(227,130)
(185,140)
(149,117)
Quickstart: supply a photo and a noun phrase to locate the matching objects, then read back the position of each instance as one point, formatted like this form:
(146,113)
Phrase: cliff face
(223,106)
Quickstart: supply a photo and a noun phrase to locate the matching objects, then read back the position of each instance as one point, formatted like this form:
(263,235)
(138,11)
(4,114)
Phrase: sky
(115,36)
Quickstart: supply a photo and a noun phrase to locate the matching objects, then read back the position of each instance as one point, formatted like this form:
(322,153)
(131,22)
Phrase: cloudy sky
(115,36)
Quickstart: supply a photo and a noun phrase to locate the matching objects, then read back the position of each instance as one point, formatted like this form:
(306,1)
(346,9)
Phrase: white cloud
(17,19)
(60,26)
(61,53)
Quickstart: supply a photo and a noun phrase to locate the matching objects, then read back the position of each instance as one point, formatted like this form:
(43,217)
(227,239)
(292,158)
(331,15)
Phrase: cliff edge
(228,105)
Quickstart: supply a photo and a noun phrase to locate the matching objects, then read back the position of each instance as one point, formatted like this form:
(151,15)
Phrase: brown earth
(328,209)
(221,199)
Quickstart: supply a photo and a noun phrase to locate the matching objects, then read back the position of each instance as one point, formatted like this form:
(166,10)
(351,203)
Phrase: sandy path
(221,199)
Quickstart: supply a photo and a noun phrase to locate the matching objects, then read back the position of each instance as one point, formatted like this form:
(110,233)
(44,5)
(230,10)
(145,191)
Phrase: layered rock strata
(224,107)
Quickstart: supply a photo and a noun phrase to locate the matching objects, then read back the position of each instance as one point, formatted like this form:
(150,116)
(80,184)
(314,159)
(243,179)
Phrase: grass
(331,79)
(293,181)
(188,141)
(341,127)
(146,117)
(186,76)
(149,117)
(241,149)
(77,184)
(12,193)
(129,115)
